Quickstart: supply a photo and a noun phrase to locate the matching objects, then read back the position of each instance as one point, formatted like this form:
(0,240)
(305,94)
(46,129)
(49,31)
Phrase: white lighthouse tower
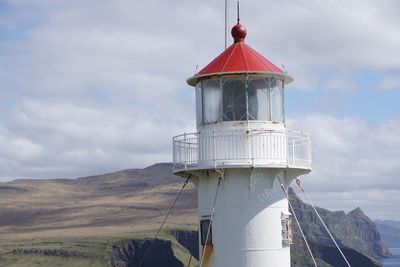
(239,157)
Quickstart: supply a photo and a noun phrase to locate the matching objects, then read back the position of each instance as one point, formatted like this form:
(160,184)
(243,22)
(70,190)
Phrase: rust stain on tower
(208,255)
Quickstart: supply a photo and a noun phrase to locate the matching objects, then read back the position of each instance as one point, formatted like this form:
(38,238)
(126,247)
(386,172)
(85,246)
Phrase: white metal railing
(241,148)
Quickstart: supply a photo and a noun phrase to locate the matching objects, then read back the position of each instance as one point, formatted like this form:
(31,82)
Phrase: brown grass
(106,205)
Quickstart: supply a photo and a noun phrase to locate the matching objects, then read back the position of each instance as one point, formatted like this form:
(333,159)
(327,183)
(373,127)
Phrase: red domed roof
(239,58)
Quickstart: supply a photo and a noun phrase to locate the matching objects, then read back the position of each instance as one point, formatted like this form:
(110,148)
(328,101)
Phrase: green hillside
(109,220)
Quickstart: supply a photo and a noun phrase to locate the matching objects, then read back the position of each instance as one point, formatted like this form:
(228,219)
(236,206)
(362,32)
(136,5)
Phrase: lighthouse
(241,158)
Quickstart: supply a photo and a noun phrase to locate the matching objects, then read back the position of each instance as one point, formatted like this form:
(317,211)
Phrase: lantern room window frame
(240,98)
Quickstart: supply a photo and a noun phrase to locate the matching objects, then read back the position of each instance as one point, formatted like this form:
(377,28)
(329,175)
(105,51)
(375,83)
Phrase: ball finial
(238,33)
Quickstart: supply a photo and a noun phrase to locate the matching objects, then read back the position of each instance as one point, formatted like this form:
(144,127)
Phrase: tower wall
(247,227)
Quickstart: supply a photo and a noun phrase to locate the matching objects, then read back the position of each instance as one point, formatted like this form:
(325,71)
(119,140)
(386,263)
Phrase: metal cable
(211,219)
(190,260)
(298,223)
(165,219)
(191,254)
(226,24)
(319,217)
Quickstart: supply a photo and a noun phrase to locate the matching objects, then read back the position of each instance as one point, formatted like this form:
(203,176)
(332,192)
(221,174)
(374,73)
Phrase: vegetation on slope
(77,222)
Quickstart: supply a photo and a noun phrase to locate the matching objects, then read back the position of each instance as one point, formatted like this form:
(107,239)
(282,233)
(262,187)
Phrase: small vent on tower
(287,234)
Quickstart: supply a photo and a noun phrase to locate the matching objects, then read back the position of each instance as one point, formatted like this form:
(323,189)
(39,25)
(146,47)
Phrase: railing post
(293,154)
(214,151)
(287,148)
(251,138)
(309,149)
(173,153)
(184,146)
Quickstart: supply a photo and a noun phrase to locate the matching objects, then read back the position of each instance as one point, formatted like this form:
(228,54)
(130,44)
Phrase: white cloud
(354,163)
(17,148)
(53,139)
(390,82)
(311,37)
(376,203)
(95,86)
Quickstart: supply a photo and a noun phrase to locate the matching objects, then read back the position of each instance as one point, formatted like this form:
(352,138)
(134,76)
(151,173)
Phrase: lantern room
(239,85)
(240,115)
(239,98)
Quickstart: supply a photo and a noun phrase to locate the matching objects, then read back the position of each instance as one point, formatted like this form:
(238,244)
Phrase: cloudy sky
(88,87)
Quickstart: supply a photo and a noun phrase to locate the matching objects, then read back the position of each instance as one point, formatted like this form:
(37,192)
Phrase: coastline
(395,261)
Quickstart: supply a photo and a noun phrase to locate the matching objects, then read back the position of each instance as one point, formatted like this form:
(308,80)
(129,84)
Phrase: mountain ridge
(124,202)
(355,224)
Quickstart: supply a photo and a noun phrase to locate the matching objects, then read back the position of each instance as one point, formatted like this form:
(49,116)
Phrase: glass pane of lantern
(252,103)
(277,100)
(198,104)
(234,100)
(211,101)
(259,100)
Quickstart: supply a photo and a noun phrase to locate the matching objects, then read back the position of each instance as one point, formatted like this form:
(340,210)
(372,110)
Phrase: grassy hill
(86,215)
(109,219)
(120,202)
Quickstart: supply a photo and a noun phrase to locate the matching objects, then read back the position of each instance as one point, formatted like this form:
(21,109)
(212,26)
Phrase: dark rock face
(51,252)
(130,253)
(327,255)
(12,189)
(353,230)
(188,239)
(332,256)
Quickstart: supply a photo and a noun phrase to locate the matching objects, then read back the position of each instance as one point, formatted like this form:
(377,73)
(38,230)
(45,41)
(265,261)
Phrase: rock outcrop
(130,253)
(52,252)
(353,230)
(327,256)
(188,239)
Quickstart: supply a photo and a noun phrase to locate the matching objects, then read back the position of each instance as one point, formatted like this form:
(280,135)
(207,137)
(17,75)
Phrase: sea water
(393,262)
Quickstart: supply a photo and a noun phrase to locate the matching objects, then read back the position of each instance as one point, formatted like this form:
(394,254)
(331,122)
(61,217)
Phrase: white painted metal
(286,78)
(247,225)
(242,148)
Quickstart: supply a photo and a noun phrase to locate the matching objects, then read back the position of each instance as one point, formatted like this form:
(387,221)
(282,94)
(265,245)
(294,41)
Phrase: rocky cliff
(188,239)
(353,230)
(130,253)
(326,255)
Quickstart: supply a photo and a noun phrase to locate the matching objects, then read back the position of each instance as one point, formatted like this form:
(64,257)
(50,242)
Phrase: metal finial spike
(238,12)
(284,68)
